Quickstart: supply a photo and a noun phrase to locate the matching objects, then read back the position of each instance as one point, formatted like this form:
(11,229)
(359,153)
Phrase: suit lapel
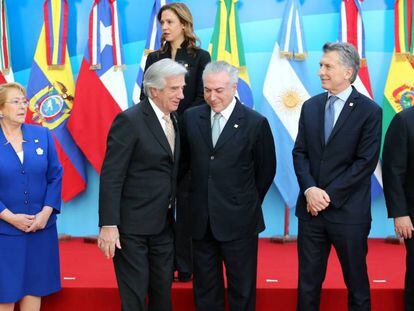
(155,127)
(232,125)
(346,111)
(204,123)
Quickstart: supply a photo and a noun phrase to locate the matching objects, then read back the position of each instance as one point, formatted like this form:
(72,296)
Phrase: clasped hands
(317,200)
(32,223)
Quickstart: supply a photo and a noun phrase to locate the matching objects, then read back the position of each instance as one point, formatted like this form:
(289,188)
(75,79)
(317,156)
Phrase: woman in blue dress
(30,198)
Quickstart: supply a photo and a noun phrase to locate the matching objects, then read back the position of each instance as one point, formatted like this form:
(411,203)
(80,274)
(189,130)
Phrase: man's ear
(348,73)
(154,92)
(234,88)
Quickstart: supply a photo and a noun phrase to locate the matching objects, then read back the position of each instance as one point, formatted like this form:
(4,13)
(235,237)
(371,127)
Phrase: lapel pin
(351,104)
(236,126)
(36,141)
(39,151)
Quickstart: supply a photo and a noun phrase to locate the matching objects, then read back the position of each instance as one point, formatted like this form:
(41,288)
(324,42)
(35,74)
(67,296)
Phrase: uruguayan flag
(153,43)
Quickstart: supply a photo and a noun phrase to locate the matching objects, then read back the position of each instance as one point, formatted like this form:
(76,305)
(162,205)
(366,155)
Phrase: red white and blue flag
(351,30)
(50,91)
(6,72)
(100,88)
(153,43)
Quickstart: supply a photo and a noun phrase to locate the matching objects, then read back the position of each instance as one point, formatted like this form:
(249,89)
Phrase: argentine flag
(284,94)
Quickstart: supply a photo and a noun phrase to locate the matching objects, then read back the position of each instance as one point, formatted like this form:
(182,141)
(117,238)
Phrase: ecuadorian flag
(51,93)
(227,45)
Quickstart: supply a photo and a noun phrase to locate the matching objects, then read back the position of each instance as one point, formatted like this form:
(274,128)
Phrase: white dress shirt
(225,114)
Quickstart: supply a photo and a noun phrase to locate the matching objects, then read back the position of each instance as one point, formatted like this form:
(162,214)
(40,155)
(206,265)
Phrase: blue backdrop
(260,21)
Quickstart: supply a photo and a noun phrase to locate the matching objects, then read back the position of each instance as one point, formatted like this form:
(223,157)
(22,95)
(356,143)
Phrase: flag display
(399,88)
(6,72)
(100,88)
(352,31)
(226,44)
(153,43)
(284,94)
(51,93)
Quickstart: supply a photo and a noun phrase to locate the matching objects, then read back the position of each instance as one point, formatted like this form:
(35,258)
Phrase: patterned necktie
(329,116)
(215,128)
(169,131)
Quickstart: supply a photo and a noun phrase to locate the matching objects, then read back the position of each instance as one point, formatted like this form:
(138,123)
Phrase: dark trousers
(409,275)
(240,260)
(183,246)
(144,266)
(315,238)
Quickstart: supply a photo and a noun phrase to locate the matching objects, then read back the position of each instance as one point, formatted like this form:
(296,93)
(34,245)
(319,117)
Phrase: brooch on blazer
(39,151)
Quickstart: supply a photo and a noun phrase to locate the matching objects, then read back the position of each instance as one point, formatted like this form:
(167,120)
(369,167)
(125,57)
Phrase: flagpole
(285,238)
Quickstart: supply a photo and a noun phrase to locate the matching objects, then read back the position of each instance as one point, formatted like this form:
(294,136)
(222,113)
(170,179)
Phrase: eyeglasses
(16,102)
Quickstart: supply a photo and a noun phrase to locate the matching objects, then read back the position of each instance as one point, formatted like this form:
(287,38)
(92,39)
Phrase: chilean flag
(100,88)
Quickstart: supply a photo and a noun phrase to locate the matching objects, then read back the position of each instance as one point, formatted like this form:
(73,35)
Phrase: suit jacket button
(26,202)
(212,158)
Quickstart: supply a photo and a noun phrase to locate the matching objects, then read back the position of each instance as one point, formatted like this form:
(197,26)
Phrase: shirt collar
(157,110)
(226,113)
(344,94)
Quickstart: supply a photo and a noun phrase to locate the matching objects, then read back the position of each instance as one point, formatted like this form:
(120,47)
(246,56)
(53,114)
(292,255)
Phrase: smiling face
(219,91)
(14,108)
(171,26)
(333,74)
(168,98)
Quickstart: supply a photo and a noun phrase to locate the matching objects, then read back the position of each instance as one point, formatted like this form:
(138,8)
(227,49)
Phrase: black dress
(195,64)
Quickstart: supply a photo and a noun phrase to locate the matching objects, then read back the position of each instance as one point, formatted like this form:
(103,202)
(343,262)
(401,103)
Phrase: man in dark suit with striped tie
(336,152)
(137,191)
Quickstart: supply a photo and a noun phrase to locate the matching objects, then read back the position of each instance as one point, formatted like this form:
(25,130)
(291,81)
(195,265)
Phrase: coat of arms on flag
(50,91)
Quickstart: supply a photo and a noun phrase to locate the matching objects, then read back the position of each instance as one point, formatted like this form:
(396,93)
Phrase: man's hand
(40,219)
(317,199)
(107,241)
(403,227)
(313,213)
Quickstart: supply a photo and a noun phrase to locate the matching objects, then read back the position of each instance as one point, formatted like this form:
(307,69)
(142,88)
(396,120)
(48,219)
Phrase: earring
(1,115)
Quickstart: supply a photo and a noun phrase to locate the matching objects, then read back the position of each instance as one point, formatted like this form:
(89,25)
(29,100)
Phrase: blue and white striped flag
(153,43)
(284,93)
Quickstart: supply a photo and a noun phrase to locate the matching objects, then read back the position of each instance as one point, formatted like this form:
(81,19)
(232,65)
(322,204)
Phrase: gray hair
(222,66)
(156,74)
(348,56)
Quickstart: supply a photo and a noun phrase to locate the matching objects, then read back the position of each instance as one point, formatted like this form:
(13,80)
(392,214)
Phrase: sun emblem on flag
(290,100)
(404,97)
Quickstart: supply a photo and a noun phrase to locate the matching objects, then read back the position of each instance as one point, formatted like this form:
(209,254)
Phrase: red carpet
(89,282)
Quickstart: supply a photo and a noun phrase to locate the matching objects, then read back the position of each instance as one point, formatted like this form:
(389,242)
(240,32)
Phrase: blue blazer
(344,165)
(26,188)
